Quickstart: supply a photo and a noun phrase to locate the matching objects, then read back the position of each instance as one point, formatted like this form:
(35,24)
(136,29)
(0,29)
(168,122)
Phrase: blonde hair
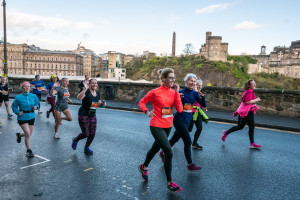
(163,73)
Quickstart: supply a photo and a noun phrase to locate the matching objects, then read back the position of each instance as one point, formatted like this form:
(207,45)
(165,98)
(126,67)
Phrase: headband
(22,84)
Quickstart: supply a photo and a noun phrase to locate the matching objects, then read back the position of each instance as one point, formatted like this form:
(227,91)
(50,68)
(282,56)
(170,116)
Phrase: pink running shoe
(193,167)
(144,172)
(172,186)
(254,146)
(224,135)
(162,156)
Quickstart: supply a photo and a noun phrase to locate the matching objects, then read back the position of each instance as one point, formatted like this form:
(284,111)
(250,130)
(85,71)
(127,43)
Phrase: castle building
(214,49)
(31,60)
(282,60)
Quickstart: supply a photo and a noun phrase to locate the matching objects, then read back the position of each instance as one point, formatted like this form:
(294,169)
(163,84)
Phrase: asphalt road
(229,170)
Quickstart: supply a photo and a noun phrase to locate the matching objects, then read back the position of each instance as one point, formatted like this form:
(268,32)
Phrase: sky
(133,26)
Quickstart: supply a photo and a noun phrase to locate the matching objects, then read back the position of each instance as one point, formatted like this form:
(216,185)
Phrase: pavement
(261,119)
(230,170)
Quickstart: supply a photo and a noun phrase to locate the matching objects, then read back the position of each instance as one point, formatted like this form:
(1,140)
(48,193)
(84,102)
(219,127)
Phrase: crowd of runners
(189,102)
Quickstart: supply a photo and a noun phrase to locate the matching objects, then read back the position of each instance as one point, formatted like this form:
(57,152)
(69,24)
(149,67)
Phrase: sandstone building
(29,59)
(283,60)
(214,49)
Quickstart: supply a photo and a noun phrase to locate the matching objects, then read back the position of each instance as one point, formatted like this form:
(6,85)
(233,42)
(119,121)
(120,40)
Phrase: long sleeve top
(38,86)
(245,108)
(25,102)
(163,99)
(188,100)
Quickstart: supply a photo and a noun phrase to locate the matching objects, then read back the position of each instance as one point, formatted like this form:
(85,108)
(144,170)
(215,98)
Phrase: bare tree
(189,49)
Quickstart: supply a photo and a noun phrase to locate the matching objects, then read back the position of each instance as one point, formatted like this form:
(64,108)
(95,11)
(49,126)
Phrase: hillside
(213,73)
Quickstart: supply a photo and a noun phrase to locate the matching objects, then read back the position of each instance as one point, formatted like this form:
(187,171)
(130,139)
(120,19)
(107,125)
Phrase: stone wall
(281,102)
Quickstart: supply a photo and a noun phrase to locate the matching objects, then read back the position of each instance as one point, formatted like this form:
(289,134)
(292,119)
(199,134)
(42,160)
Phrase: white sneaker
(56,136)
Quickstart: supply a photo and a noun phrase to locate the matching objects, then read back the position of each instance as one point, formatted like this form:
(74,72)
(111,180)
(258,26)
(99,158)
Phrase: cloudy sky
(134,26)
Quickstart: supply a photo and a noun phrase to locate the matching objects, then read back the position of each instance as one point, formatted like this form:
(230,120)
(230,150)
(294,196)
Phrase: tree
(189,49)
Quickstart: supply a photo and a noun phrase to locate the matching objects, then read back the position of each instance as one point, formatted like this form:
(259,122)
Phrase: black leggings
(161,141)
(198,123)
(183,133)
(249,119)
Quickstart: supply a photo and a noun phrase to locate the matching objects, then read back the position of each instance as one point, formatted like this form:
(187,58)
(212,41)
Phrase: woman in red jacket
(163,99)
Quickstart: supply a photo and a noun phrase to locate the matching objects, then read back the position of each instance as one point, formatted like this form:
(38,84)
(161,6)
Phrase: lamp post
(5,70)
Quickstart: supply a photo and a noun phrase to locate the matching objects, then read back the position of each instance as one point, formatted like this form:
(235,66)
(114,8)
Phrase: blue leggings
(182,132)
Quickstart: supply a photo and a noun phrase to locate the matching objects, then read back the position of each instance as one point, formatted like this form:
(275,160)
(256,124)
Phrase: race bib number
(40,88)
(94,105)
(5,92)
(66,95)
(166,112)
(188,107)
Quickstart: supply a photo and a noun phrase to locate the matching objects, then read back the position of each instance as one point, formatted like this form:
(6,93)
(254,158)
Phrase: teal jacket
(25,102)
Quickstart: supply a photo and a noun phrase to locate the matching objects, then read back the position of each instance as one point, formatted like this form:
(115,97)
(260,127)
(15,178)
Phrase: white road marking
(119,129)
(45,160)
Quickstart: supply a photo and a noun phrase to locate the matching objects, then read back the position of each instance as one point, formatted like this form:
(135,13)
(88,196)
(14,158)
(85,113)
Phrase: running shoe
(9,116)
(254,146)
(88,151)
(56,136)
(197,146)
(162,156)
(172,186)
(74,144)
(224,135)
(144,172)
(48,114)
(29,153)
(19,138)
(193,167)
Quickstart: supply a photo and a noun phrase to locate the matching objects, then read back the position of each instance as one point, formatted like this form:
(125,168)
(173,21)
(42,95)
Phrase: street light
(4,61)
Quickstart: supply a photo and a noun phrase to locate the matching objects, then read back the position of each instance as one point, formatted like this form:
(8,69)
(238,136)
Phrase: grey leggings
(161,142)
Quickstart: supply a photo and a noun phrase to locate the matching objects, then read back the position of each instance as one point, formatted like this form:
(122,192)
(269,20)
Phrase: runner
(182,120)
(198,116)
(24,106)
(61,104)
(163,99)
(4,96)
(87,114)
(84,82)
(246,113)
(38,86)
(51,99)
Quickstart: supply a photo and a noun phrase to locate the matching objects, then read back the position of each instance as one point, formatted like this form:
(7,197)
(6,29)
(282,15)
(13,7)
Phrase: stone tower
(263,50)
(174,44)
(214,49)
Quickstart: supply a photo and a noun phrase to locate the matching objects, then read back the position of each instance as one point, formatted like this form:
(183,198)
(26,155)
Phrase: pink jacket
(245,108)
(197,104)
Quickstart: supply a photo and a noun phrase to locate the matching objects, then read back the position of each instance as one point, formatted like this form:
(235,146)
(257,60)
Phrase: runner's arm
(145,100)
(178,103)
